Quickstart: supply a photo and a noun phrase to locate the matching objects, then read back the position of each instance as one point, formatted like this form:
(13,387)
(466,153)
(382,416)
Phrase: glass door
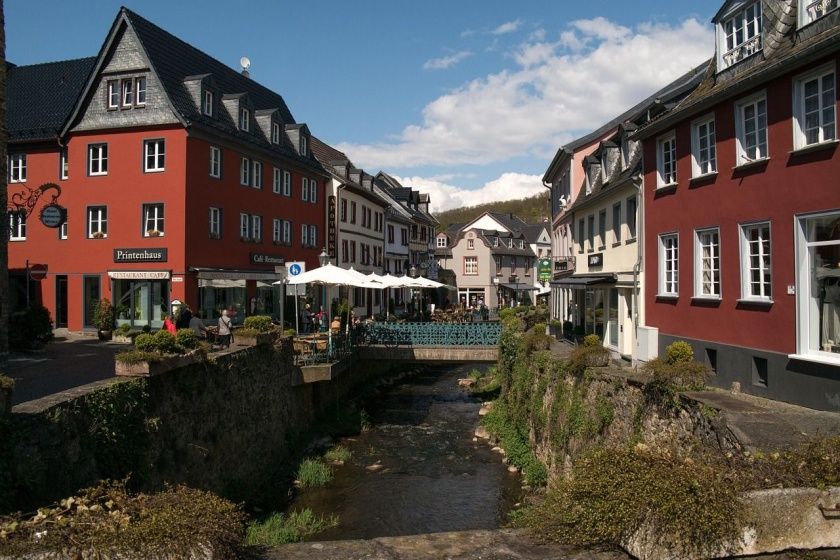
(91,294)
(612,317)
(61,301)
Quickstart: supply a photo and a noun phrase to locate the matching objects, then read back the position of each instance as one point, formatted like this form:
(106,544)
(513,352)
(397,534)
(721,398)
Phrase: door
(612,318)
(91,294)
(61,301)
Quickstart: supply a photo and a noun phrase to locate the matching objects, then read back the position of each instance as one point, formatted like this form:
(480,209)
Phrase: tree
(5,299)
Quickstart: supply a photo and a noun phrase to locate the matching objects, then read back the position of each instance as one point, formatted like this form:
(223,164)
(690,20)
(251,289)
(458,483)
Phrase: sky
(467,100)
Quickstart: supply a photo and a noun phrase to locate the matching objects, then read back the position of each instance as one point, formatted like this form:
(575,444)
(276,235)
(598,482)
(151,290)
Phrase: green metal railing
(430,334)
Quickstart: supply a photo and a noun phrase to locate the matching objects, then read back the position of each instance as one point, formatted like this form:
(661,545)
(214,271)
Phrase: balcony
(742,51)
(564,264)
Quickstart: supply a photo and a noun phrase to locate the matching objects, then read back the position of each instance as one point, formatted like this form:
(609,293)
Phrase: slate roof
(404,196)
(487,235)
(510,221)
(785,48)
(532,232)
(40,97)
(326,155)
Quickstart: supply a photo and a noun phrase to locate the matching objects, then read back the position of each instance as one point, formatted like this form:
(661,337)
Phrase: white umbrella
(331,275)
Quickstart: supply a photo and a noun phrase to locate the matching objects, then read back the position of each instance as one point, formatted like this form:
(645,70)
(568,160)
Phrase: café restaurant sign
(262,258)
(154,254)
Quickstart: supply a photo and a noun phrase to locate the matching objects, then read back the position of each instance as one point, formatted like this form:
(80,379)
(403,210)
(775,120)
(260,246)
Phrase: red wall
(787,185)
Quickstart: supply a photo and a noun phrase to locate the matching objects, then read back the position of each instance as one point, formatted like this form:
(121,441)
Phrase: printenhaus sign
(155,254)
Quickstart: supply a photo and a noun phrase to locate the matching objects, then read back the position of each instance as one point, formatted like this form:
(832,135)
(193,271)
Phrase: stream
(417,469)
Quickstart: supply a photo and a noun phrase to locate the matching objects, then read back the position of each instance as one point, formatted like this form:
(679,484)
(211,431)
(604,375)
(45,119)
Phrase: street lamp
(413,273)
(323,260)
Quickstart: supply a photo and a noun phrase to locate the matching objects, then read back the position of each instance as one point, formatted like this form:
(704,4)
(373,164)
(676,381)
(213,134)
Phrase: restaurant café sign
(154,254)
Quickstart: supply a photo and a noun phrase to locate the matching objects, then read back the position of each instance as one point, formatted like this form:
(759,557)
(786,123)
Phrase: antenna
(245,62)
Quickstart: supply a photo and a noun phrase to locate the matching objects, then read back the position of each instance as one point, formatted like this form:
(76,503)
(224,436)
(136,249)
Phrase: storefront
(140,297)
(470,297)
(241,292)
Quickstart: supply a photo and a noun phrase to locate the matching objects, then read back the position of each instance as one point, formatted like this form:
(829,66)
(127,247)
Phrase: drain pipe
(637,268)
(551,235)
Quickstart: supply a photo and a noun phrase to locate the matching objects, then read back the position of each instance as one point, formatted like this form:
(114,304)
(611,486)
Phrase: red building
(181,179)
(742,206)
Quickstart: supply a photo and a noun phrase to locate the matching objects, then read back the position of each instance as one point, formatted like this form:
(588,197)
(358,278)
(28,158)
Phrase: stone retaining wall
(227,425)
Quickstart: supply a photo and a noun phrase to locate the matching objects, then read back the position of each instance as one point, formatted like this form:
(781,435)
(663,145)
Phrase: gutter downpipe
(551,234)
(637,268)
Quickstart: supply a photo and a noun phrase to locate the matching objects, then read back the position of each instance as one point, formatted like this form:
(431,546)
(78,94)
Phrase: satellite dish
(245,62)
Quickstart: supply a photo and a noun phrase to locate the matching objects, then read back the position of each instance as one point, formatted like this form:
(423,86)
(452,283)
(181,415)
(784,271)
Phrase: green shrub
(313,473)
(289,332)
(338,453)
(174,523)
(613,492)
(536,340)
(186,338)
(103,315)
(667,379)
(246,332)
(30,329)
(262,323)
(123,329)
(144,342)
(583,357)
(137,356)
(294,526)
(539,327)
(164,342)
(515,443)
(592,340)
(146,328)
(679,352)
(555,324)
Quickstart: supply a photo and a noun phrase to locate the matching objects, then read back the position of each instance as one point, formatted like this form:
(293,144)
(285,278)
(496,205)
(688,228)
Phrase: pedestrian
(184,315)
(224,329)
(305,320)
(197,325)
(168,324)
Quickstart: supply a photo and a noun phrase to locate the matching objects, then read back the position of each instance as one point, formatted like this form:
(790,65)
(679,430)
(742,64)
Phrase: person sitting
(168,324)
(335,326)
(197,326)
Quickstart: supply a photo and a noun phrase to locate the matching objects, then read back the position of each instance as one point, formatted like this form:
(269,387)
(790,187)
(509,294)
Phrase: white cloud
(445,62)
(555,92)
(508,186)
(507,27)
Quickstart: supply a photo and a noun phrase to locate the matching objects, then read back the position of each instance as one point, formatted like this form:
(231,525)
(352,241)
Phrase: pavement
(69,361)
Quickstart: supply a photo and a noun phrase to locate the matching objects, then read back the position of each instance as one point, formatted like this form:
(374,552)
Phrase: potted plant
(103,319)
(153,233)
(98,235)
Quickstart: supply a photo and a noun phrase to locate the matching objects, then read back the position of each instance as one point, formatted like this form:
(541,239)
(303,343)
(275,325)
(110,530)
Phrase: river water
(417,470)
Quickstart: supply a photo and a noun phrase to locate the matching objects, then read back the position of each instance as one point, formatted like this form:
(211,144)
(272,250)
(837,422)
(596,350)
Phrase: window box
(98,235)
(153,233)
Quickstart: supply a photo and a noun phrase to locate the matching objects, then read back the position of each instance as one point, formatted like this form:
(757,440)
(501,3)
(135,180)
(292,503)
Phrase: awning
(233,274)
(523,287)
(580,282)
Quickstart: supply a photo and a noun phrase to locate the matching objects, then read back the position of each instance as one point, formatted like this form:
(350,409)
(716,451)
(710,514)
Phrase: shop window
(140,303)
(214,295)
(818,286)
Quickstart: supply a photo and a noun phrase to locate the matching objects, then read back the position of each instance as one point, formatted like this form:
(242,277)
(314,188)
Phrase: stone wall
(228,425)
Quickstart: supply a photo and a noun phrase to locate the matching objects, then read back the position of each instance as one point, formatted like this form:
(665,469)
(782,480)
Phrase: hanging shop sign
(139,274)
(544,269)
(331,227)
(53,215)
(153,254)
(262,258)
(596,259)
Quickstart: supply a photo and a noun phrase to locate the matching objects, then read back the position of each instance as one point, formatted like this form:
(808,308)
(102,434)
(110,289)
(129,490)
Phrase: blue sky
(466,99)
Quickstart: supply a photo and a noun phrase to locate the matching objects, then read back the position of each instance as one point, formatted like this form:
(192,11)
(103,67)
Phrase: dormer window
(127,93)
(625,152)
(521,244)
(812,10)
(113,94)
(275,133)
(604,170)
(140,91)
(207,106)
(739,35)
(510,243)
(304,148)
(244,120)
(495,242)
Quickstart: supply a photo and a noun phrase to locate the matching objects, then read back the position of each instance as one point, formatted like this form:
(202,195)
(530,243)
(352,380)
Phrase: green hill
(532,209)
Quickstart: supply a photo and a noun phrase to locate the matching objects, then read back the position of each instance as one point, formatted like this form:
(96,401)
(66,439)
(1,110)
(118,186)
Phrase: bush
(186,338)
(174,523)
(592,340)
(539,327)
(313,473)
(165,342)
(137,356)
(144,342)
(555,324)
(261,323)
(693,506)
(667,379)
(583,357)
(291,527)
(30,329)
(103,315)
(6,383)
(536,340)
(507,312)
(515,444)
(123,329)
(289,332)
(338,453)
(246,332)
(679,352)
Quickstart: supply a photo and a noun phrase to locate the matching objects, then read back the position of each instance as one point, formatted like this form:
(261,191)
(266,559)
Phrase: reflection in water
(431,476)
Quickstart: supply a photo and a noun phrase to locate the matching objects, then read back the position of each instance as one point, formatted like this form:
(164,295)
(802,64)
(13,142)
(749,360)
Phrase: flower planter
(104,334)
(150,369)
(259,340)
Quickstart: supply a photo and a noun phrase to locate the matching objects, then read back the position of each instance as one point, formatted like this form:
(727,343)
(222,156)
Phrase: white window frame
(602,229)
(97,215)
(63,230)
(127,90)
(471,266)
(244,119)
(666,288)
(256,174)
(287,232)
(762,150)
(244,226)
(715,286)
(313,236)
(156,151)
(616,223)
(313,191)
(153,218)
(812,10)
(245,171)
(17,225)
(304,236)
(63,164)
(17,168)
(276,180)
(140,91)
(470,244)
(666,178)
(277,231)
(766,275)
(98,153)
(275,133)
(207,105)
(214,218)
(799,139)
(304,189)
(215,162)
(441,241)
(304,145)
(728,55)
(701,167)
(287,183)
(114,94)
(256,228)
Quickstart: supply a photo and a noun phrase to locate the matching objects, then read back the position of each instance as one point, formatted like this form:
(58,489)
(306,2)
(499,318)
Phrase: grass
(338,453)
(313,473)
(295,526)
